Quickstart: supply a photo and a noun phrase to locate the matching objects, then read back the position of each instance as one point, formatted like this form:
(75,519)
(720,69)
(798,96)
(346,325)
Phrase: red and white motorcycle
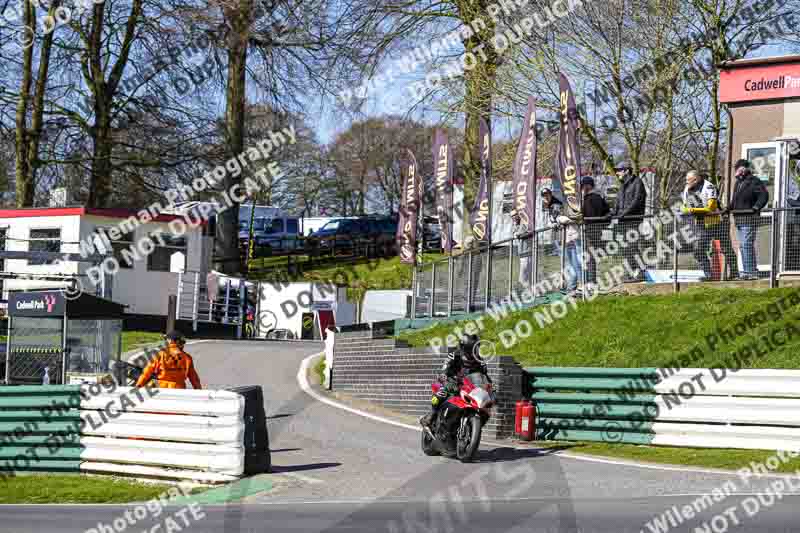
(456,430)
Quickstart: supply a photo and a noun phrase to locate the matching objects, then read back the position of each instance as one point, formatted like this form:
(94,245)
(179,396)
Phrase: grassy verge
(75,488)
(723,458)
(137,339)
(641,331)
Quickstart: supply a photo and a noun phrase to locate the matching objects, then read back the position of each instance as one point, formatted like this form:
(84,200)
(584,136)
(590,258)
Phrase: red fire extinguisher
(525,421)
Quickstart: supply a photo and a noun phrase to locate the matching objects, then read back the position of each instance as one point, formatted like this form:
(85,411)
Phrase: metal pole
(534,266)
(8,350)
(511,267)
(450,265)
(195,298)
(580,259)
(179,291)
(468,299)
(433,289)
(676,288)
(64,333)
(488,277)
(414,280)
(562,236)
(239,326)
(773,249)
(172,305)
(227,298)
(257,325)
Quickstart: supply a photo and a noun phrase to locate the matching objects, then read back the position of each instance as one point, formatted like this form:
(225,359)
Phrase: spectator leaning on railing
(701,202)
(749,198)
(593,206)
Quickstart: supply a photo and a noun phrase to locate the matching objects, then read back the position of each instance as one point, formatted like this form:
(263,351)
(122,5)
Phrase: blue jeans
(746,235)
(573,264)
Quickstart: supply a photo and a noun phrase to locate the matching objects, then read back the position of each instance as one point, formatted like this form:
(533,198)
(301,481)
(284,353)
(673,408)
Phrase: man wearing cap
(750,195)
(171,366)
(593,205)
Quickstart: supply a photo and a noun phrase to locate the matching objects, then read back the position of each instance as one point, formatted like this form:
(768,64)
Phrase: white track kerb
(302,381)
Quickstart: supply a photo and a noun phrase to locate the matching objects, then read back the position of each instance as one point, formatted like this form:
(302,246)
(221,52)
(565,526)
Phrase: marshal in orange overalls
(172,367)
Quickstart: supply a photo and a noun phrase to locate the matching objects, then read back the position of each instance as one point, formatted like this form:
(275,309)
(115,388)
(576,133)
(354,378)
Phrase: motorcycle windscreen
(481,397)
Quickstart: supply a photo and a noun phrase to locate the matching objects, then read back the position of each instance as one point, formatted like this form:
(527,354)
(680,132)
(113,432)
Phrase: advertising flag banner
(481,225)
(524,184)
(568,161)
(409,209)
(443,176)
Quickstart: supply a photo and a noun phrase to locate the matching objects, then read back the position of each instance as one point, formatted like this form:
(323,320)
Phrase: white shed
(143,281)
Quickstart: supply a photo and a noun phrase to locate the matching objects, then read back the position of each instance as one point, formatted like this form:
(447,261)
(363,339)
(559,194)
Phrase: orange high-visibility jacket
(172,367)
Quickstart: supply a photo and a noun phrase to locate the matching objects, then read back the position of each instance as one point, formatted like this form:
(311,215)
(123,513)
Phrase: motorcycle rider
(171,366)
(465,359)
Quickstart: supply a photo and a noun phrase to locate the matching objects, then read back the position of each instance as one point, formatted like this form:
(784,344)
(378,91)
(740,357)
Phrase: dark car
(368,235)
(272,236)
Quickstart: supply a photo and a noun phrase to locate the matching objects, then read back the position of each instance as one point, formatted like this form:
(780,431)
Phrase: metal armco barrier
(183,433)
(694,407)
(30,428)
(198,435)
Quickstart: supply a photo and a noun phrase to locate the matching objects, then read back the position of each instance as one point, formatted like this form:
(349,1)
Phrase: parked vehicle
(431,234)
(272,235)
(346,234)
(456,430)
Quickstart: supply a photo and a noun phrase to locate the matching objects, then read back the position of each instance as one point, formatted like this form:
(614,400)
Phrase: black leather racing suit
(455,367)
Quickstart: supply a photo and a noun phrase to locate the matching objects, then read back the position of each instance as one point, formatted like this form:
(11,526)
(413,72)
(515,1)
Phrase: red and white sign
(761,82)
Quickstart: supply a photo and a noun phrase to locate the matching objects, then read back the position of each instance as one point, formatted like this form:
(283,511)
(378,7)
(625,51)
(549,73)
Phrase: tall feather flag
(481,225)
(568,162)
(524,184)
(443,176)
(409,210)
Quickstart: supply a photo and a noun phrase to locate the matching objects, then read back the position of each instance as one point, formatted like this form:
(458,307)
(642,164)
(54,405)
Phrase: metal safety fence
(604,254)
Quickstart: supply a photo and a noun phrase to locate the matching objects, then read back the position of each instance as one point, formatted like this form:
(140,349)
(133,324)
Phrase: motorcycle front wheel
(428,448)
(469,438)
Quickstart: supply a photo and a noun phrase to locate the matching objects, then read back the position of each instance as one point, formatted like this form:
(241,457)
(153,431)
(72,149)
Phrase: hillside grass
(358,276)
(641,331)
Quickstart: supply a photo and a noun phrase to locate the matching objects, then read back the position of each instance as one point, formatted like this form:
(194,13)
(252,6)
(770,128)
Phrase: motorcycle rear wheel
(468,442)
(428,447)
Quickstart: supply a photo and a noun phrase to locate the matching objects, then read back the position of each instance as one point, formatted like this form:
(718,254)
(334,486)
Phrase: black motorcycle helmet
(469,349)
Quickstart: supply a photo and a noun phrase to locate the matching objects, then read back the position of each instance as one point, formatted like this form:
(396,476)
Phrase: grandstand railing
(604,254)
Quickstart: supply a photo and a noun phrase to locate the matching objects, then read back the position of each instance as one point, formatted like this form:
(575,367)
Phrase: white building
(143,284)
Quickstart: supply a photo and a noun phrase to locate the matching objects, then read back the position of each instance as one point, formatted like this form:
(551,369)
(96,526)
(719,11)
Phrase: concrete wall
(395,376)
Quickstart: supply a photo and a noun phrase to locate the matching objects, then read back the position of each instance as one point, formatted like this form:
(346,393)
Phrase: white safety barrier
(173,433)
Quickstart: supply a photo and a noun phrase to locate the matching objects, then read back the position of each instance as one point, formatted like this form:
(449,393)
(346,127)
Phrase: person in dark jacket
(750,195)
(632,196)
(592,206)
(631,202)
(463,360)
